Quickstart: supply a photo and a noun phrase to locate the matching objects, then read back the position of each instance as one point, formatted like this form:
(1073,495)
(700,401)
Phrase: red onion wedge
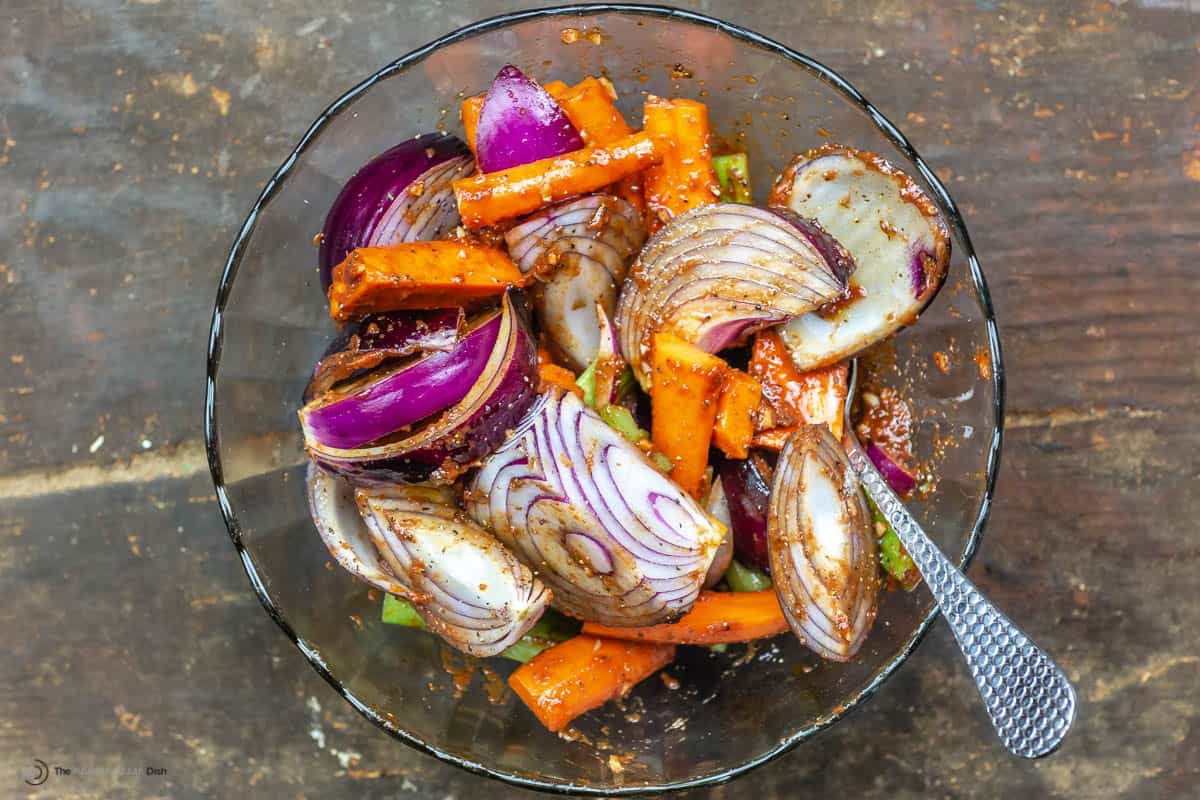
(389,400)
(616,541)
(585,246)
(520,123)
(720,272)
(403,195)
(385,336)
(468,588)
(444,447)
(822,545)
(608,367)
(717,506)
(895,233)
(748,496)
(897,477)
(331,505)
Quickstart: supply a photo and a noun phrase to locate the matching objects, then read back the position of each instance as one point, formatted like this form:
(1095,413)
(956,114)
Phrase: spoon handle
(1029,699)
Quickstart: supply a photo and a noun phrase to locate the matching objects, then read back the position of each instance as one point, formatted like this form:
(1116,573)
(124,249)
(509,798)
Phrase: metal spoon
(1029,699)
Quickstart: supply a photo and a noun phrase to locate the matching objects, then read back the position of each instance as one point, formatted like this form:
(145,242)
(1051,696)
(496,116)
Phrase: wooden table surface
(134,136)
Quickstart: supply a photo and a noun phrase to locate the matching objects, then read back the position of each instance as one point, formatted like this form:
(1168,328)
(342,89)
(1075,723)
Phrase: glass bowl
(732,710)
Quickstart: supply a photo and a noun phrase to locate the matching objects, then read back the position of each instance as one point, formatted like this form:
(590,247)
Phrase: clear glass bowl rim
(815,68)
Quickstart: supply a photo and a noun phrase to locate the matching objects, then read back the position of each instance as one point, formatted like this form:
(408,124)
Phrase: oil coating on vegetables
(551,439)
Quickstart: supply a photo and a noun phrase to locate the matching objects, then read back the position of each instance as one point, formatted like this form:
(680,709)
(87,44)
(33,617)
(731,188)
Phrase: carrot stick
(737,410)
(685,178)
(591,107)
(716,618)
(489,198)
(796,397)
(555,88)
(552,374)
(470,110)
(418,275)
(685,381)
(583,673)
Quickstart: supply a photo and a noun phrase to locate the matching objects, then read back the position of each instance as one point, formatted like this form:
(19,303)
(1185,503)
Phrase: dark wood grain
(134,136)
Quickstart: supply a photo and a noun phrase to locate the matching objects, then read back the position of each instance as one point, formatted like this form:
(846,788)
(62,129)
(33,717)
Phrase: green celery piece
(625,383)
(892,555)
(662,462)
(733,173)
(548,631)
(398,611)
(587,382)
(719,648)
(746,579)
(621,420)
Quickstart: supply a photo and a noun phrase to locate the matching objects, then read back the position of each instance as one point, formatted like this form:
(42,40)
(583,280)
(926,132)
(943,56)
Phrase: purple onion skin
(916,266)
(897,477)
(391,400)
(467,432)
(831,250)
(748,494)
(368,194)
(376,338)
(519,123)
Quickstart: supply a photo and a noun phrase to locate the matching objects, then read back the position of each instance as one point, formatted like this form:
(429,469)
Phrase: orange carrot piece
(591,107)
(737,411)
(796,397)
(685,179)
(486,199)
(418,275)
(555,88)
(582,673)
(716,618)
(470,110)
(685,381)
(552,374)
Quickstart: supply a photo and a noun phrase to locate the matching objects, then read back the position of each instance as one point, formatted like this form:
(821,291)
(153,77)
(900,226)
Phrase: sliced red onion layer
(444,447)
(520,123)
(403,195)
(748,497)
(895,234)
(717,274)
(616,541)
(331,505)
(584,245)
(822,545)
(717,506)
(388,400)
(385,336)
(468,588)
(901,481)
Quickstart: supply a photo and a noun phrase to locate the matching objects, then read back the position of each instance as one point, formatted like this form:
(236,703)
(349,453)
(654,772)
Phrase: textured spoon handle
(1028,697)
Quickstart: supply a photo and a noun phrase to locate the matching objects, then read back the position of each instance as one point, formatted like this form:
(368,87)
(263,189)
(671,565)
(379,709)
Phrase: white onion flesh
(717,274)
(616,541)
(467,586)
(583,247)
(408,541)
(895,233)
(331,505)
(717,506)
(821,545)
(425,212)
